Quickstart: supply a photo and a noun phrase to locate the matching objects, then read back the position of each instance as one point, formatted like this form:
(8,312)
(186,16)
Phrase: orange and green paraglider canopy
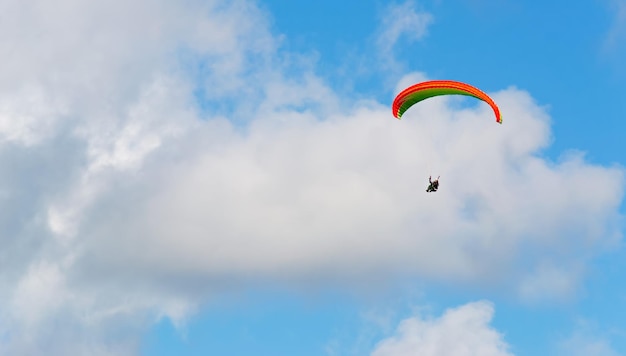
(418,92)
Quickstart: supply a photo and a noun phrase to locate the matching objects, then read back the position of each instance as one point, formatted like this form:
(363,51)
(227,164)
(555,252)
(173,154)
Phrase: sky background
(226,178)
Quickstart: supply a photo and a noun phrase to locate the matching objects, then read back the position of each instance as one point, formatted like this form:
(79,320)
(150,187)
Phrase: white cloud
(124,200)
(88,92)
(460,331)
(289,196)
(401,21)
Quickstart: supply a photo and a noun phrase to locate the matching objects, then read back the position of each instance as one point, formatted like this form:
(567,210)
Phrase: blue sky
(226,178)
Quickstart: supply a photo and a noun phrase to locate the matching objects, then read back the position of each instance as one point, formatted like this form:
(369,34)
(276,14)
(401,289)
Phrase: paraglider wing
(418,92)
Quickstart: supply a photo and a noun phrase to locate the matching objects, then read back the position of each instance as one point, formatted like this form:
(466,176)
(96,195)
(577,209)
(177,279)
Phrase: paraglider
(421,91)
(433,185)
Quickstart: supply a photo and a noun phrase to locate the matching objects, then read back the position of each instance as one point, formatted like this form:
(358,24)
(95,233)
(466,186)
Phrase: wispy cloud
(586,339)
(616,36)
(401,21)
